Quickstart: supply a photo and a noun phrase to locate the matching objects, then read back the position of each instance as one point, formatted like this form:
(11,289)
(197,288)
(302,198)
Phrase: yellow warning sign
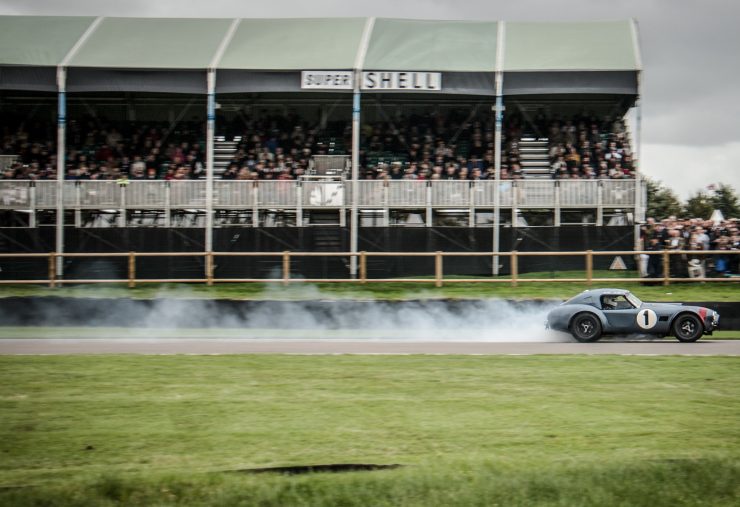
(618,263)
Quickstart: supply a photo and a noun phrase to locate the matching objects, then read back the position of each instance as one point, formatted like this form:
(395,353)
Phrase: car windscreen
(634,300)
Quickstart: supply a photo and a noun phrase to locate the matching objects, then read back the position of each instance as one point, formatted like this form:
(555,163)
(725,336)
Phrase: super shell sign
(371,80)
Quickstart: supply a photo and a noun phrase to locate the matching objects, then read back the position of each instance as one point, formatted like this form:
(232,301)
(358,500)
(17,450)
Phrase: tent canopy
(170,55)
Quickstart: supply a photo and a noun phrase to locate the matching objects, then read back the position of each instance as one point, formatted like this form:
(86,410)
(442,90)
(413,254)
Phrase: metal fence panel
(450,193)
(46,194)
(484,193)
(237,194)
(146,194)
(531,193)
(579,193)
(278,193)
(15,194)
(371,193)
(187,194)
(92,194)
(407,193)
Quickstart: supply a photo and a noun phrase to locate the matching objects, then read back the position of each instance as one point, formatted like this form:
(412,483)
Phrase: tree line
(662,202)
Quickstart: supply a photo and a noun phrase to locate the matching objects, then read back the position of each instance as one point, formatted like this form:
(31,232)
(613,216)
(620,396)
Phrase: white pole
(211,126)
(357,72)
(640,206)
(496,193)
(354,222)
(61,156)
(499,112)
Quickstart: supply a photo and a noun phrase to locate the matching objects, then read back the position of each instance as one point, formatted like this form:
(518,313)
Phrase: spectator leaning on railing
(695,235)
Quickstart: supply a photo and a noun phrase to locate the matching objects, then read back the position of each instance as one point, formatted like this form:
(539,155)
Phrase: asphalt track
(205,346)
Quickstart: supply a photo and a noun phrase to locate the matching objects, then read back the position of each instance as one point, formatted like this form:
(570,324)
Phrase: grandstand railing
(436,276)
(230,194)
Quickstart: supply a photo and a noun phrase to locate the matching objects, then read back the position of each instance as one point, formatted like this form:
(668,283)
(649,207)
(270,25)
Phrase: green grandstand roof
(453,46)
(39,40)
(305,44)
(606,45)
(294,44)
(146,43)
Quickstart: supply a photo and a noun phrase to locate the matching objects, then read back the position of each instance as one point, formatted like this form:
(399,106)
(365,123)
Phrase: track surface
(241,346)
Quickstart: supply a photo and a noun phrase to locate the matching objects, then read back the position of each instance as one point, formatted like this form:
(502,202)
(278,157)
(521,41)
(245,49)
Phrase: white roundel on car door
(647,318)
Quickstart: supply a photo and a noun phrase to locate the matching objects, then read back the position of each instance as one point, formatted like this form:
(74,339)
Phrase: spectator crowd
(457,145)
(101,151)
(583,149)
(694,235)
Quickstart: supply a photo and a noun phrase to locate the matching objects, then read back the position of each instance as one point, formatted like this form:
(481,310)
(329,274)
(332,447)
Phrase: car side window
(615,302)
(590,301)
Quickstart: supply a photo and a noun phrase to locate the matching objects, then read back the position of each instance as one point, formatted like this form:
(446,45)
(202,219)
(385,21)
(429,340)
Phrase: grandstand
(343,123)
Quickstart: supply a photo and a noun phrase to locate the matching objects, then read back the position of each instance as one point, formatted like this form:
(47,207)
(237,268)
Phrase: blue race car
(594,313)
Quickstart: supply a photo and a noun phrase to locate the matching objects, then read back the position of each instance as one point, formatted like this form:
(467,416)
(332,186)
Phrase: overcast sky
(690,49)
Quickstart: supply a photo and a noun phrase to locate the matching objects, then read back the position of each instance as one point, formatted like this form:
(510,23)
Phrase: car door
(621,318)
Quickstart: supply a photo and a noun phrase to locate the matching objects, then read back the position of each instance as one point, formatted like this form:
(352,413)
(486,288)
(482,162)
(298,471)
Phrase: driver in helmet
(609,303)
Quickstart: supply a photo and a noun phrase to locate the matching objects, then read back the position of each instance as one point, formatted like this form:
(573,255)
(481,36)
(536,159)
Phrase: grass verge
(725,291)
(529,430)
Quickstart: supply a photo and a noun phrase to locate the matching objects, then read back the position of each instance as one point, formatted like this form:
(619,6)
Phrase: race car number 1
(647,318)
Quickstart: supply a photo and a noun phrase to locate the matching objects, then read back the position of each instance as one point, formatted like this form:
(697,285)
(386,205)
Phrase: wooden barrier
(437,278)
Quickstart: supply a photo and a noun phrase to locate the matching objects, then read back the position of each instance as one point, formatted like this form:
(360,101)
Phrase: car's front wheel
(687,328)
(585,327)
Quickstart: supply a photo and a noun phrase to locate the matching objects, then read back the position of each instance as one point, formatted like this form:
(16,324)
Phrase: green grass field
(566,431)
(719,291)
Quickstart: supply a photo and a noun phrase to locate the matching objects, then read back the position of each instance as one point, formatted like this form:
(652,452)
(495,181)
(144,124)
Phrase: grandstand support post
(357,74)
(600,204)
(557,203)
(639,210)
(499,113)
(499,117)
(354,215)
(61,156)
(210,130)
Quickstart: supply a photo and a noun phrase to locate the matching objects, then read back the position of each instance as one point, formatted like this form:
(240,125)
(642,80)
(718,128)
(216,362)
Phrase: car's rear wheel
(687,328)
(585,327)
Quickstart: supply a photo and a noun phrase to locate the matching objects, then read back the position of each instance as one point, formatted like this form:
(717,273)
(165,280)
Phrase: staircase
(223,153)
(533,157)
